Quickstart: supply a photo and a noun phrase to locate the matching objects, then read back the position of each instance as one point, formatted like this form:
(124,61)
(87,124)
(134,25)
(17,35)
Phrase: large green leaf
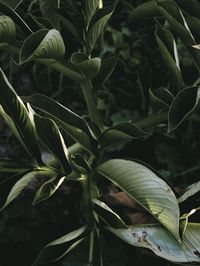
(121,133)
(22,117)
(146,188)
(157,239)
(184,105)
(42,44)
(190,191)
(97,24)
(50,135)
(48,8)
(7,29)
(71,123)
(61,246)
(168,49)
(11,3)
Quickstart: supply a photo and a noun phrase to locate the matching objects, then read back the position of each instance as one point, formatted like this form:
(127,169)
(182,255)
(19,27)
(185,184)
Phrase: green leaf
(146,188)
(79,164)
(97,24)
(50,135)
(71,123)
(89,9)
(190,191)
(184,105)
(48,189)
(191,6)
(22,118)
(157,239)
(108,215)
(107,67)
(14,185)
(168,49)
(13,166)
(88,67)
(7,29)
(121,133)
(160,98)
(42,44)
(48,8)
(61,246)
(12,3)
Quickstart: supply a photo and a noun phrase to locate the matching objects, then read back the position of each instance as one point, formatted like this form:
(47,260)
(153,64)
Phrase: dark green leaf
(50,135)
(60,247)
(191,6)
(48,8)
(79,164)
(43,44)
(7,29)
(190,191)
(121,133)
(21,117)
(11,3)
(161,98)
(184,105)
(146,188)
(71,123)
(14,166)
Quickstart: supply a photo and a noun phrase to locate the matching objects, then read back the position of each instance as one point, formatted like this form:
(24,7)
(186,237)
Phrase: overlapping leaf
(146,188)
(7,29)
(157,239)
(73,124)
(161,98)
(48,8)
(21,117)
(89,9)
(190,191)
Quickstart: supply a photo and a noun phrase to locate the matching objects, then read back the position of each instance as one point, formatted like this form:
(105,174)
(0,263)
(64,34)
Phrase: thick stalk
(94,114)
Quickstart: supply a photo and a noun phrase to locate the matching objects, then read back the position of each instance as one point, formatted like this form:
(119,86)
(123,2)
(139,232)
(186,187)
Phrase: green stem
(91,248)
(152,120)
(95,117)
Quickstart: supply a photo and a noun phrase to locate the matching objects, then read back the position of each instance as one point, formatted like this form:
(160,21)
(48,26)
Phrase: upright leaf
(42,44)
(89,9)
(184,105)
(48,8)
(50,135)
(22,117)
(146,188)
(157,239)
(190,191)
(71,123)
(160,98)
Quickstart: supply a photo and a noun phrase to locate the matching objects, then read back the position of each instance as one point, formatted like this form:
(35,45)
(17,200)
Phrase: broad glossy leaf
(11,3)
(14,185)
(157,239)
(190,191)
(21,116)
(184,105)
(89,9)
(121,133)
(50,135)
(146,188)
(97,24)
(168,49)
(43,44)
(48,189)
(160,98)
(48,8)
(61,246)
(7,29)
(71,123)
(108,215)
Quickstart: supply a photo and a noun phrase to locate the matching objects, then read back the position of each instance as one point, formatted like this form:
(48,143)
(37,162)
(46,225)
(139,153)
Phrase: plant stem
(95,117)
(91,248)
(152,120)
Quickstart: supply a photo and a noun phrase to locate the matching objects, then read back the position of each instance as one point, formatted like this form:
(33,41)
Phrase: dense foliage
(110,92)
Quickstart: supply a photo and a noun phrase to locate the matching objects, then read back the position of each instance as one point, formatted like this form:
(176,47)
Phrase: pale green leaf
(157,239)
(7,29)
(22,117)
(190,191)
(43,44)
(89,9)
(71,123)
(146,188)
(184,105)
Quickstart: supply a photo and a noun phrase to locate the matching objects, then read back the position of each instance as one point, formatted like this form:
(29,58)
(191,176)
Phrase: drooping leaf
(89,9)
(48,189)
(190,191)
(73,124)
(48,8)
(157,239)
(168,49)
(160,98)
(50,135)
(97,24)
(108,215)
(22,118)
(184,105)
(43,44)
(121,133)
(13,186)
(7,29)
(146,188)
(61,246)
(11,3)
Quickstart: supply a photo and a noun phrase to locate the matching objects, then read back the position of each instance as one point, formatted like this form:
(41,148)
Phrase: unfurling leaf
(146,188)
